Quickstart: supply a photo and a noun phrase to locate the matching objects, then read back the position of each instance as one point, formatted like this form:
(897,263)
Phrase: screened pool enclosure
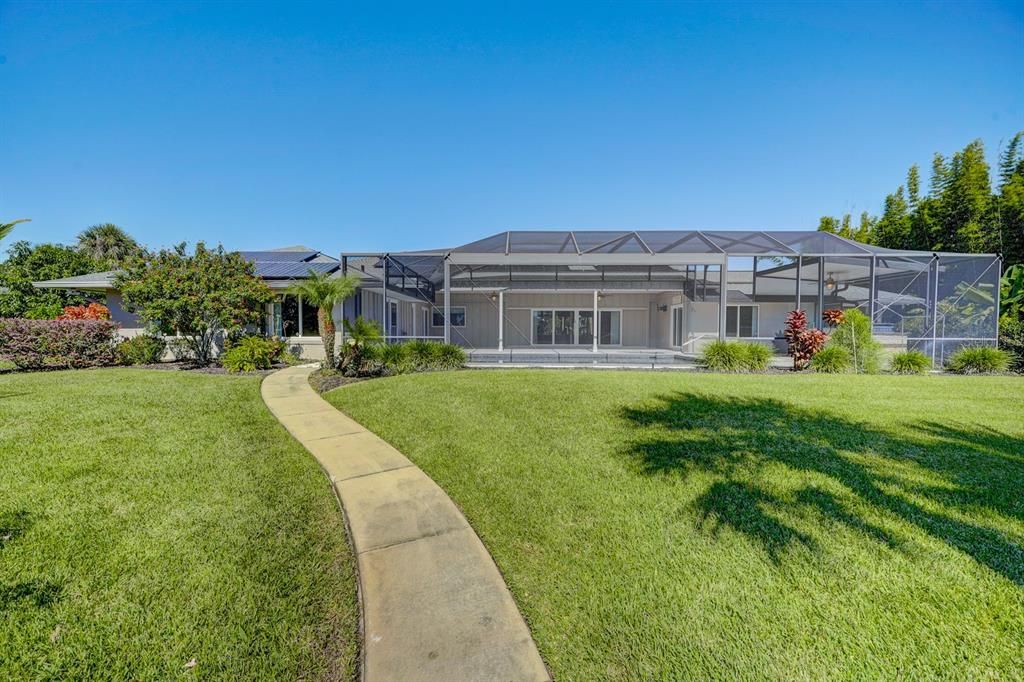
(612,292)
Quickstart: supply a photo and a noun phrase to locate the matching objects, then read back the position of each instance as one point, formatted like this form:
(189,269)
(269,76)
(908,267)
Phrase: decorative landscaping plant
(144,349)
(978,360)
(910,362)
(196,296)
(93,311)
(252,352)
(832,359)
(40,344)
(802,342)
(735,356)
(854,334)
(833,317)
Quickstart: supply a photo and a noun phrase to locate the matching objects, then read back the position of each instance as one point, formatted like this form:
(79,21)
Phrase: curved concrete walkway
(435,606)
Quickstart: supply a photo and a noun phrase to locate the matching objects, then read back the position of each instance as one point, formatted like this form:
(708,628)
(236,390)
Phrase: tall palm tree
(324,292)
(5,228)
(108,245)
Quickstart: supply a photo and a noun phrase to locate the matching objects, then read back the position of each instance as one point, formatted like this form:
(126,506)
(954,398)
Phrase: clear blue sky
(422,125)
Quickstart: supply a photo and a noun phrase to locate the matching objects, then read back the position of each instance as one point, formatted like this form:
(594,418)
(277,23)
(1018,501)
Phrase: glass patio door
(585,327)
(565,324)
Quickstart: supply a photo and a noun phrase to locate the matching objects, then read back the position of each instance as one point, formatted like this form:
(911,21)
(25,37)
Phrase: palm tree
(5,228)
(324,292)
(108,245)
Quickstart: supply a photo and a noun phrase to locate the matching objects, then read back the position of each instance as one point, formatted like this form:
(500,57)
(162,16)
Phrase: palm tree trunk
(326,320)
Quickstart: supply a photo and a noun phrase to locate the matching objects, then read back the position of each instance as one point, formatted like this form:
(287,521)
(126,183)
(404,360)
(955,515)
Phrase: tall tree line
(964,209)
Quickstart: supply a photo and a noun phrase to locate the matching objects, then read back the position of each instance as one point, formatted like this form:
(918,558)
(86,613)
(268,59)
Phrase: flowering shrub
(833,318)
(803,342)
(37,344)
(93,311)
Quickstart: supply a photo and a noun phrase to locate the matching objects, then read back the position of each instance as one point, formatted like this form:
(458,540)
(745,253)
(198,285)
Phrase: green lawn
(149,518)
(682,525)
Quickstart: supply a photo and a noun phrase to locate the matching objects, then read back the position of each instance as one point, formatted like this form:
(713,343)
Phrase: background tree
(26,264)
(960,211)
(196,295)
(5,228)
(108,245)
(324,292)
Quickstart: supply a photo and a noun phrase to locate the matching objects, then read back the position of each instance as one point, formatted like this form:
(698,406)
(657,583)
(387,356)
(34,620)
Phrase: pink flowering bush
(40,344)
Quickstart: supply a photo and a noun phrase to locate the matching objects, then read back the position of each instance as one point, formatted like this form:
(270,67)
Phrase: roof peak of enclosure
(652,242)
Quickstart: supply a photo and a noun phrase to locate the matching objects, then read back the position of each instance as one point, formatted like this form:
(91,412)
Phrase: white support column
(415,313)
(447,301)
(593,324)
(723,298)
(384,301)
(501,320)
(872,294)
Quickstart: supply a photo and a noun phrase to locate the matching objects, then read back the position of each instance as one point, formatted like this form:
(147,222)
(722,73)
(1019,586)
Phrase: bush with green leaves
(1011,339)
(910,362)
(832,359)
(978,360)
(251,353)
(449,356)
(854,334)
(395,358)
(735,356)
(145,349)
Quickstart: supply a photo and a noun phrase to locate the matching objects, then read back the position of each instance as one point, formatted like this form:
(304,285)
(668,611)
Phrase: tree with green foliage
(26,264)
(5,228)
(197,296)
(960,211)
(109,246)
(324,292)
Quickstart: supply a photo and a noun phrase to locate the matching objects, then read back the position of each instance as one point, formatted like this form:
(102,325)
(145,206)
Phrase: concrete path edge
(434,605)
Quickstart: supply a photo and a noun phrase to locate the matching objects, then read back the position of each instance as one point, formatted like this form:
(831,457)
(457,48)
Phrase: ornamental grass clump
(910,362)
(735,356)
(854,333)
(832,359)
(978,360)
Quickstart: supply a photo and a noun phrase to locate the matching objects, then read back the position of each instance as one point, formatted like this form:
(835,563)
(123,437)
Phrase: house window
(309,319)
(294,317)
(741,321)
(458,315)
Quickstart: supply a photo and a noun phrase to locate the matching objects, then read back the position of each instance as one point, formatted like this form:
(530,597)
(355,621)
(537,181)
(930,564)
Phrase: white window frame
(681,307)
(757,320)
(439,310)
(575,326)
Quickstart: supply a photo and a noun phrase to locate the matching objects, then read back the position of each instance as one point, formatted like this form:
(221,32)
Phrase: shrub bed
(41,344)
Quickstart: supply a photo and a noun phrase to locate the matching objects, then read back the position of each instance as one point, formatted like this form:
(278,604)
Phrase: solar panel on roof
(269,270)
(278,256)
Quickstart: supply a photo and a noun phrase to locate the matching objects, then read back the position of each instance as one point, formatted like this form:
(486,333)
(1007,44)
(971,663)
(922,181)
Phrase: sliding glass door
(565,325)
(576,327)
(585,328)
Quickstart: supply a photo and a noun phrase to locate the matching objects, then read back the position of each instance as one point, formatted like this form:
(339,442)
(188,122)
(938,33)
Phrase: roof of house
(286,263)
(91,281)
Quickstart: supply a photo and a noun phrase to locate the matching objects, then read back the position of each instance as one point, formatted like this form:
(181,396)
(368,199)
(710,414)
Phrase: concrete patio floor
(434,604)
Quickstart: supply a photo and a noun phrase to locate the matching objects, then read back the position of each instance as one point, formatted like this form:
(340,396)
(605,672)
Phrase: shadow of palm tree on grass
(966,470)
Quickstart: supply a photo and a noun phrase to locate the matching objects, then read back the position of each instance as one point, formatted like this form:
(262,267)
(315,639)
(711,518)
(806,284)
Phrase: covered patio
(612,296)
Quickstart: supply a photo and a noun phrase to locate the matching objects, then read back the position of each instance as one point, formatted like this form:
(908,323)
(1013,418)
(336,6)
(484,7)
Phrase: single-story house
(646,295)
